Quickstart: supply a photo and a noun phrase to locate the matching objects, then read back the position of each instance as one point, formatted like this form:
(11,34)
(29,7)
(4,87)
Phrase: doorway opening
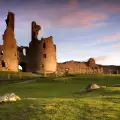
(22,67)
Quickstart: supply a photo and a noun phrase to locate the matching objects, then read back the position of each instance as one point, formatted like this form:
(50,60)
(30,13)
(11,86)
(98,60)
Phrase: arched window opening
(22,67)
(1,52)
(24,51)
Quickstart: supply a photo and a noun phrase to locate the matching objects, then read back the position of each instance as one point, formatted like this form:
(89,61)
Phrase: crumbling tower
(48,61)
(34,31)
(9,59)
(33,50)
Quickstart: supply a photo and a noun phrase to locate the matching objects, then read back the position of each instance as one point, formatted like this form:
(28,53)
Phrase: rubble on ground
(9,97)
(89,88)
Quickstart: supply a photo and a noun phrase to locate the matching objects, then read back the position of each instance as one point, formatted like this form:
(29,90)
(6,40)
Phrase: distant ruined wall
(79,67)
(9,58)
(111,69)
(89,67)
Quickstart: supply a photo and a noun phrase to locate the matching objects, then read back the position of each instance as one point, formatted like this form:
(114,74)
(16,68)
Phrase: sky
(81,29)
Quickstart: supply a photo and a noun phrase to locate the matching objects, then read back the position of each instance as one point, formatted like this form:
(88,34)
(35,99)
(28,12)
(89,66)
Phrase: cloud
(84,18)
(66,15)
(106,40)
(112,59)
(102,58)
(112,37)
(112,6)
(41,34)
(72,4)
(116,46)
(45,24)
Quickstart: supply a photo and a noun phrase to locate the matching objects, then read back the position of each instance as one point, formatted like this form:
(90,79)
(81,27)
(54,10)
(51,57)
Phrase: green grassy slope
(56,99)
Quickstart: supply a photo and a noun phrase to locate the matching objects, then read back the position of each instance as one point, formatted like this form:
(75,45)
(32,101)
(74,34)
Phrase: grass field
(59,99)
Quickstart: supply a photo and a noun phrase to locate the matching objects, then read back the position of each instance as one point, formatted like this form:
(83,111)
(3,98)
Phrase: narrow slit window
(3,64)
(44,46)
(44,55)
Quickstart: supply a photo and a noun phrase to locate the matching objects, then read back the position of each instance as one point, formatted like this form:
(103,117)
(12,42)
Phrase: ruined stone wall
(79,67)
(9,59)
(89,67)
(111,69)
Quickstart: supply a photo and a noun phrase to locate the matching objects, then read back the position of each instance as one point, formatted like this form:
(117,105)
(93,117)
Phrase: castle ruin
(40,55)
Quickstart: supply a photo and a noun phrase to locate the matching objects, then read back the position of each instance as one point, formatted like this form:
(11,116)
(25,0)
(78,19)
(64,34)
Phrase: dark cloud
(32,2)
